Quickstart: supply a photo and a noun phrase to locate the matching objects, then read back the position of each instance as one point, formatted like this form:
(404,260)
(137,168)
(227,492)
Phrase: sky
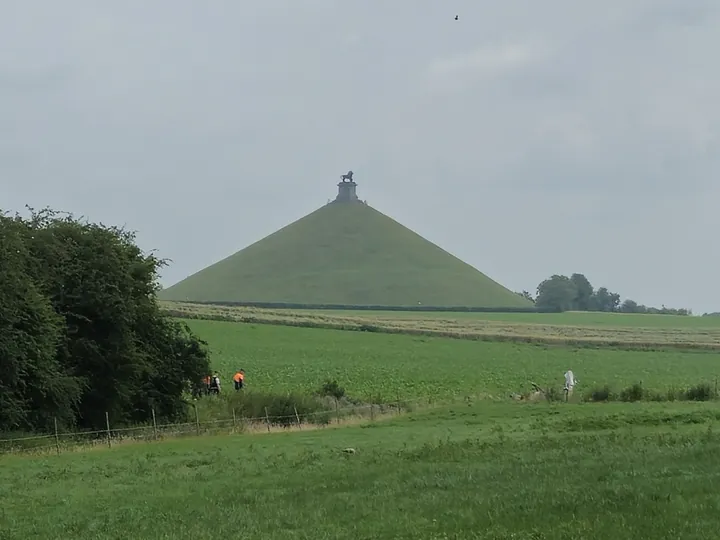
(527,138)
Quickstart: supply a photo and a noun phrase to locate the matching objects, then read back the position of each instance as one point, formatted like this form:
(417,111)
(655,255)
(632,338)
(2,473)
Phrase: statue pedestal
(346,192)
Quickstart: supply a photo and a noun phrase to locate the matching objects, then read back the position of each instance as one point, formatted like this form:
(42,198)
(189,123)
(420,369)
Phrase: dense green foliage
(562,293)
(347,254)
(484,471)
(382,367)
(81,333)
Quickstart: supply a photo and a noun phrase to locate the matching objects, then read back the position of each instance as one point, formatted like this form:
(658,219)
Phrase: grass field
(477,469)
(377,366)
(344,253)
(591,329)
(483,471)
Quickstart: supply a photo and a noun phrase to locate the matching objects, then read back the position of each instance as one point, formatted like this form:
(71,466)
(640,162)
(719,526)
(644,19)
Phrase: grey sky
(543,137)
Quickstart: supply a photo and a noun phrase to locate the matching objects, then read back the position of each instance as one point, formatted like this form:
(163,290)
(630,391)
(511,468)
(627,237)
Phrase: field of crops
(383,367)
(595,329)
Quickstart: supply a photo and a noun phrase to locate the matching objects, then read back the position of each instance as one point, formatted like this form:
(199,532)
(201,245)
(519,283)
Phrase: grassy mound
(349,254)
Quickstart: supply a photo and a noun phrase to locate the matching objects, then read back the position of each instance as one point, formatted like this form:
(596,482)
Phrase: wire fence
(59,442)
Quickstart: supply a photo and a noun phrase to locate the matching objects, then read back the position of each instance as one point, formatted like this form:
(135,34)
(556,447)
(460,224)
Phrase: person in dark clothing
(215,384)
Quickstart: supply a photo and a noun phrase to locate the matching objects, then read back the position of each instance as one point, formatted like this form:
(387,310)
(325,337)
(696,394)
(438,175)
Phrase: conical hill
(344,253)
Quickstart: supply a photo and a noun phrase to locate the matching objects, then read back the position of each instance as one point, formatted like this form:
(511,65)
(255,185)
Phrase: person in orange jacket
(239,379)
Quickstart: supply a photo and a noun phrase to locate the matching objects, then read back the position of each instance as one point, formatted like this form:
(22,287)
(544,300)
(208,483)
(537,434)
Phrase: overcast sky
(542,137)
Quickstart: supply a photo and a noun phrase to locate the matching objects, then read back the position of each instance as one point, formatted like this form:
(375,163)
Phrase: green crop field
(385,366)
(479,471)
(594,329)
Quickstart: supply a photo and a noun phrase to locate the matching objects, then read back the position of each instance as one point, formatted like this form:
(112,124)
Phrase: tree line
(576,293)
(81,331)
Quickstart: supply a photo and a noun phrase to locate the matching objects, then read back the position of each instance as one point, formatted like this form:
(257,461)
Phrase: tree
(526,295)
(33,388)
(552,295)
(604,300)
(630,306)
(584,292)
(557,293)
(89,297)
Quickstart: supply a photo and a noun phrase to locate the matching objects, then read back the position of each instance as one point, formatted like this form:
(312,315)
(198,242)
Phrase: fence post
(297,417)
(107,426)
(154,424)
(372,412)
(57,438)
(716,393)
(197,421)
(337,411)
(267,419)
(234,420)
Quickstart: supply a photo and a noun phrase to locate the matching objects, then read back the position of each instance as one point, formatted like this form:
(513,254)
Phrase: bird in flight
(456,17)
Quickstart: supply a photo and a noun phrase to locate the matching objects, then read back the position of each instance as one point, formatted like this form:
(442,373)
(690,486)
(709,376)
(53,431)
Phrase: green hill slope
(344,253)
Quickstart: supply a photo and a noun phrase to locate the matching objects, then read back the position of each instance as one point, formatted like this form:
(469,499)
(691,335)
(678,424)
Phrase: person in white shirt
(570,382)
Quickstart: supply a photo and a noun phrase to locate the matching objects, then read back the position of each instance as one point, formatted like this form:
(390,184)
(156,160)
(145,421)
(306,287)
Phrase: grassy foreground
(575,329)
(383,367)
(484,471)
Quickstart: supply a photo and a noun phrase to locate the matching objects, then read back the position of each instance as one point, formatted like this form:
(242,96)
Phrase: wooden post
(372,412)
(155,435)
(197,421)
(297,417)
(397,403)
(234,420)
(337,411)
(267,419)
(716,394)
(107,425)
(57,438)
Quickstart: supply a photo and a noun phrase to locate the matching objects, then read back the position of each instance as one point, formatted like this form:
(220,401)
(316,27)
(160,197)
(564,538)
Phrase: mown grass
(551,329)
(383,367)
(568,318)
(489,471)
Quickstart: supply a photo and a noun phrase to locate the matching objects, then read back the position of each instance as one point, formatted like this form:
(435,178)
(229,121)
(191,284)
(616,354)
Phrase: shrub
(701,392)
(368,328)
(601,394)
(280,408)
(656,396)
(633,393)
(331,388)
(553,394)
(636,392)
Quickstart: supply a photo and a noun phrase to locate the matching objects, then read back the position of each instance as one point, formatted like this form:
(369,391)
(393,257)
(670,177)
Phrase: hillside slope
(344,253)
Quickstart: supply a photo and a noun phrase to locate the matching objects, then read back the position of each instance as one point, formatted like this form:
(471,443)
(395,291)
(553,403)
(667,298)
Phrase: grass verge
(477,471)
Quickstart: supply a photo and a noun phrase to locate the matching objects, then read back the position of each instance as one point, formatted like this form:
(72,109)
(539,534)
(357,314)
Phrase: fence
(58,442)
